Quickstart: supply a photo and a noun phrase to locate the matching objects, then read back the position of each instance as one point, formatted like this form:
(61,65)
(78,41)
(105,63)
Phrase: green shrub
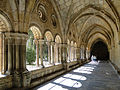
(30,55)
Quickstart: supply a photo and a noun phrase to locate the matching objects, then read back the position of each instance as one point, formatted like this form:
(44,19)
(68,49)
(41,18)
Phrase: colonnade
(54,52)
(72,53)
(15,53)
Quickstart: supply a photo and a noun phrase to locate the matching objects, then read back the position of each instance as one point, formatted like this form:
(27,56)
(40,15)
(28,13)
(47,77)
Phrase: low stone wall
(5,82)
(36,77)
(45,74)
(73,64)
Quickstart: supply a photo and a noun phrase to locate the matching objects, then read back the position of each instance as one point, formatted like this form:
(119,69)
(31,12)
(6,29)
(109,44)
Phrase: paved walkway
(91,76)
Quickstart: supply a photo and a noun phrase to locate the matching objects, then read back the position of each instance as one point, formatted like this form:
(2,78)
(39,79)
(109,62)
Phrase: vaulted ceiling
(90,17)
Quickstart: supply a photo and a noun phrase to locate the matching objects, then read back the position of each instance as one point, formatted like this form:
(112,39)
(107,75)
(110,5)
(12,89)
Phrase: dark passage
(100,50)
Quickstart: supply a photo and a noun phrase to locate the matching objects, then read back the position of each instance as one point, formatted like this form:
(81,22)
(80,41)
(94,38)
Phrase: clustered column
(64,55)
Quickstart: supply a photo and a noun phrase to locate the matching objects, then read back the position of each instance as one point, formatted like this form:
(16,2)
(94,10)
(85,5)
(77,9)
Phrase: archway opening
(33,59)
(100,50)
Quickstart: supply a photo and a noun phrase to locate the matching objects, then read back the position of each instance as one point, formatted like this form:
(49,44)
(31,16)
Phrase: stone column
(37,52)
(56,53)
(78,52)
(17,59)
(17,55)
(68,53)
(82,52)
(10,56)
(41,42)
(49,52)
(1,52)
(59,53)
(23,55)
(64,56)
(75,53)
(25,78)
(52,52)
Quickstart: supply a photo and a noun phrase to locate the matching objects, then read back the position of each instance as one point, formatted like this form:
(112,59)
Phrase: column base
(9,72)
(21,79)
(26,78)
(66,66)
(17,79)
(79,61)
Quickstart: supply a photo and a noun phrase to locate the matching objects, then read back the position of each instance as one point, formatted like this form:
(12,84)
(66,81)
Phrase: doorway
(100,50)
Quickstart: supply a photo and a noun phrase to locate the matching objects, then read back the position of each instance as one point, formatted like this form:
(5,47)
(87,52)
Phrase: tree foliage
(30,55)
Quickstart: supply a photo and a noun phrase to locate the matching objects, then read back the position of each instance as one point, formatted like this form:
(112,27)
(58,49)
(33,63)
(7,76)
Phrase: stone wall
(5,82)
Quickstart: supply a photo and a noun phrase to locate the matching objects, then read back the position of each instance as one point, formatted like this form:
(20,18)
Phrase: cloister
(43,39)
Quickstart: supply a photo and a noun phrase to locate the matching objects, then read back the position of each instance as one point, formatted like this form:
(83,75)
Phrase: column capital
(41,41)
(52,43)
(63,44)
(18,38)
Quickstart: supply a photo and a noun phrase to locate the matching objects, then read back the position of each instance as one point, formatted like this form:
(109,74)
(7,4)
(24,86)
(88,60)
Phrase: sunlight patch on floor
(70,80)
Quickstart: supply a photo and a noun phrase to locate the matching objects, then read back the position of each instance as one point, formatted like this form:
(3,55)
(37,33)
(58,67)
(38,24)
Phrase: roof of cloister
(90,17)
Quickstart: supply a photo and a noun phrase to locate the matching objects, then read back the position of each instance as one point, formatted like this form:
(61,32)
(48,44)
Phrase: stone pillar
(68,53)
(64,56)
(23,55)
(17,56)
(37,52)
(2,53)
(52,52)
(74,53)
(82,53)
(41,42)
(56,53)
(10,56)
(23,74)
(78,52)
(17,59)
(49,52)
(71,53)
(59,53)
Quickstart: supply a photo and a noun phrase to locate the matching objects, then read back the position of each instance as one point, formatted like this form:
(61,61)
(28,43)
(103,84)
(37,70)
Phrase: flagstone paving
(92,76)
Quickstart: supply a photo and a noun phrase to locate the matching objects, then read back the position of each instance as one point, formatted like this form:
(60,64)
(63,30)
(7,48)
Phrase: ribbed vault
(85,19)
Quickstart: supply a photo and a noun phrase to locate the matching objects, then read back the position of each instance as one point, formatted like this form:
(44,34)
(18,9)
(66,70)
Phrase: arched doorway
(100,50)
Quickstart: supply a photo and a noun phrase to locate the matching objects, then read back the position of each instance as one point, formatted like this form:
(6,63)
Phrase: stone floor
(92,76)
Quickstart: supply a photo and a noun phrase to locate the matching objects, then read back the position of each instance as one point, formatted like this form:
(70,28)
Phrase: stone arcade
(66,33)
